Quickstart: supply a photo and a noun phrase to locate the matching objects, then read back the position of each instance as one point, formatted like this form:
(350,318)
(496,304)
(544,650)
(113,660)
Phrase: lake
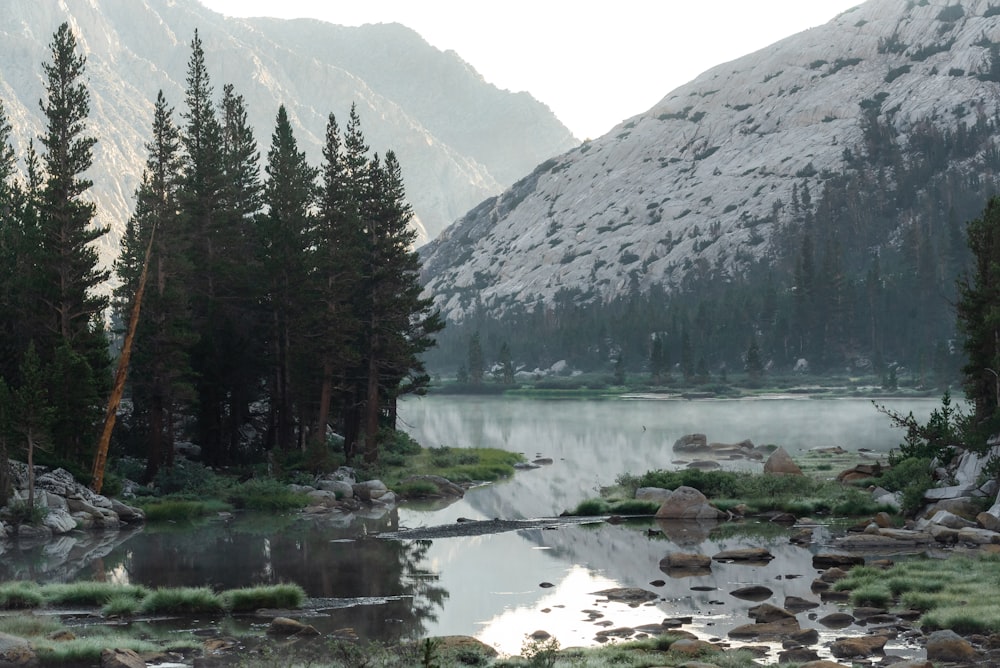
(491,586)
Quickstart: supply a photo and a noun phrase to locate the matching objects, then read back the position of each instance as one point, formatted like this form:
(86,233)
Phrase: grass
(798,495)
(20,596)
(183,600)
(87,650)
(121,605)
(958,593)
(456,464)
(180,510)
(595,507)
(89,593)
(255,598)
(265,494)
(29,626)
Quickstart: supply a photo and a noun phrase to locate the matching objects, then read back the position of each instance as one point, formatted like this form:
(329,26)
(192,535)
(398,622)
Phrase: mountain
(458,138)
(728,174)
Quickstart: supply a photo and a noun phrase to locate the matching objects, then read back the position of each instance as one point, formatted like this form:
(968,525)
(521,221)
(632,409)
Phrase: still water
(489,586)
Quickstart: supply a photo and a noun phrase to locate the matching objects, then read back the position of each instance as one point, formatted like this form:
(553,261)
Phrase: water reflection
(489,585)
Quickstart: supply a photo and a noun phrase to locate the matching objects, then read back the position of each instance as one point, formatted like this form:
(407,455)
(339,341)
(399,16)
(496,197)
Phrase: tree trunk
(371,413)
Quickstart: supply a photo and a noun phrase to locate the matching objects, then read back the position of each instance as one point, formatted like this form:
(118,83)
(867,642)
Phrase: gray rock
(691,443)
(341,488)
(121,658)
(283,626)
(127,514)
(657,494)
(687,503)
(780,462)
(321,497)
(16,651)
(950,647)
(950,520)
(27,531)
(59,521)
(300,489)
(978,536)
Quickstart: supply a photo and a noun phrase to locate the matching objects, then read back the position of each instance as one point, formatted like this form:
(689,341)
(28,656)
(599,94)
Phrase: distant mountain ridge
(702,183)
(458,138)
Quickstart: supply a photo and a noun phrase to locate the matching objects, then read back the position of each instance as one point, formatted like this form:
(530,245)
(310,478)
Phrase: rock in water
(780,462)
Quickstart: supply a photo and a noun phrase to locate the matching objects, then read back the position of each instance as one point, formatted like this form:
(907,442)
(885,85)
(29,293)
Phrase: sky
(593,63)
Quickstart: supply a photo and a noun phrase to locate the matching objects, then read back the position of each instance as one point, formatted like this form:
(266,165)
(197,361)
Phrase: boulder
(343,490)
(950,520)
(797,655)
(121,658)
(689,647)
(859,647)
(627,595)
(989,520)
(765,612)
(752,593)
(978,536)
(948,646)
(828,559)
(687,503)
(683,561)
(283,626)
(860,472)
(691,443)
(59,521)
(323,498)
(656,494)
(16,651)
(755,555)
(798,604)
(776,629)
(127,514)
(823,664)
(836,620)
(781,463)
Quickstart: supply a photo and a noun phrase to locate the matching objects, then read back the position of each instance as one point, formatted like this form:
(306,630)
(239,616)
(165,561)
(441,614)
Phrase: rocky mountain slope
(458,138)
(699,184)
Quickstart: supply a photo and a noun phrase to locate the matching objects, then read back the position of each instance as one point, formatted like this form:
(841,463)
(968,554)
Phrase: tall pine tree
(287,230)
(75,343)
(160,373)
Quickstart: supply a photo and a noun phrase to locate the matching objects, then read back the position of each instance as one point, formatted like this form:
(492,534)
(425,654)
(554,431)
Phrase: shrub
(189,477)
(590,508)
(179,510)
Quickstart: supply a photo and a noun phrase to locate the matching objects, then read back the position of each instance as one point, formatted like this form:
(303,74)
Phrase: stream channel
(491,586)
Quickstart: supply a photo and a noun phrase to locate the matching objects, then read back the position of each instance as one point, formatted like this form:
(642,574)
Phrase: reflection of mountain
(592,442)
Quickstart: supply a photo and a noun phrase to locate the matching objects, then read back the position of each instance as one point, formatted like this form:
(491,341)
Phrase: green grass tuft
(255,598)
(89,593)
(20,596)
(121,605)
(29,626)
(186,600)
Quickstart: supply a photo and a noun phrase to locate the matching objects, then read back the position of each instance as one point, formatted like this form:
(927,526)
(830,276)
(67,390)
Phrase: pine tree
(160,372)
(69,258)
(978,311)
(752,360)
(506,365)
(289,194)
(337,242)
(475,360)
(399,324)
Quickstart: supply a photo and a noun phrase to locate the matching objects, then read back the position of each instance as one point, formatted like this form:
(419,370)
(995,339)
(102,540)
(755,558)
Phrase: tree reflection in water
(265,549)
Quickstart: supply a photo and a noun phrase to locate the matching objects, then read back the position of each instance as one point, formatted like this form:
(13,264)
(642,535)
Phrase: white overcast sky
(593,62)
